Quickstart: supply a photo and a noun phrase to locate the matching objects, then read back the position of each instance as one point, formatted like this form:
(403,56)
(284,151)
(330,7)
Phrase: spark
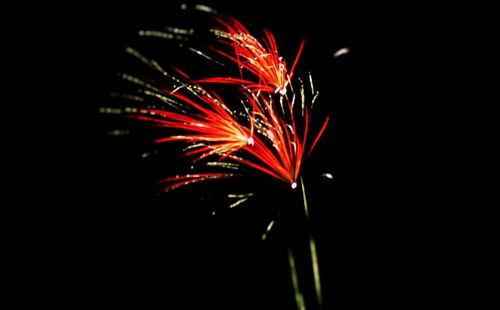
(198,52)
(138,81)
(156,33)
(182,180)
(328,176)
(225,165)
(119,132)
(180,30)
(312,247)
(268,229)
(241,199)
(311,82)
(205,8)
(237,203)
(341,52)
(126,96)
(240,195)
(151,63)
(299,297)
(109,110)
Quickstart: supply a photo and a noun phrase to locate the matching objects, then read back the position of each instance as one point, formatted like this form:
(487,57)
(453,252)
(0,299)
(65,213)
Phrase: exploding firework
(267,128)
(279,144)
(269,134)
(260,58)
(263,131)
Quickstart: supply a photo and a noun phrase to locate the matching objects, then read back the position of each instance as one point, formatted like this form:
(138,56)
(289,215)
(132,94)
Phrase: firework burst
(267,135)
(206,121)
(260,58)
(266,129)
(280,144)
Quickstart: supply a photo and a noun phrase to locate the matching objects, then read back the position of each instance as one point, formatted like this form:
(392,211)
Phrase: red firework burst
(210,125)
(268,134)
(206,123)
(273,142)
(279,144)
(260,58)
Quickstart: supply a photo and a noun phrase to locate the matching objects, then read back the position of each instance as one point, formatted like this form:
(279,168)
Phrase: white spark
(119,132)
(328,175)
(341,52)
(238,202)
(204,8)
(268,229)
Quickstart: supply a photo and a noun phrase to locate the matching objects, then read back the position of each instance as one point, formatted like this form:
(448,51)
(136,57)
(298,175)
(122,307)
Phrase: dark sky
(121,245)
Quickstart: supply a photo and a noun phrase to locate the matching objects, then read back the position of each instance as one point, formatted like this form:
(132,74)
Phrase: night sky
(119,244)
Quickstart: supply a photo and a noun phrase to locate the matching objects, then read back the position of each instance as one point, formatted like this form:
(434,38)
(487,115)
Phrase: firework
(266,130)
(279,144)
(271,139)
(259,58)
(206,121)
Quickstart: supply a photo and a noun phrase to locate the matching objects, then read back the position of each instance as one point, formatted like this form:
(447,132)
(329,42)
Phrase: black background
(111,241)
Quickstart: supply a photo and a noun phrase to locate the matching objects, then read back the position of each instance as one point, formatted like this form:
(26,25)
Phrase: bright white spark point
(294,185)
(250,141)
(328,176)
(341,52)
(282,91)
